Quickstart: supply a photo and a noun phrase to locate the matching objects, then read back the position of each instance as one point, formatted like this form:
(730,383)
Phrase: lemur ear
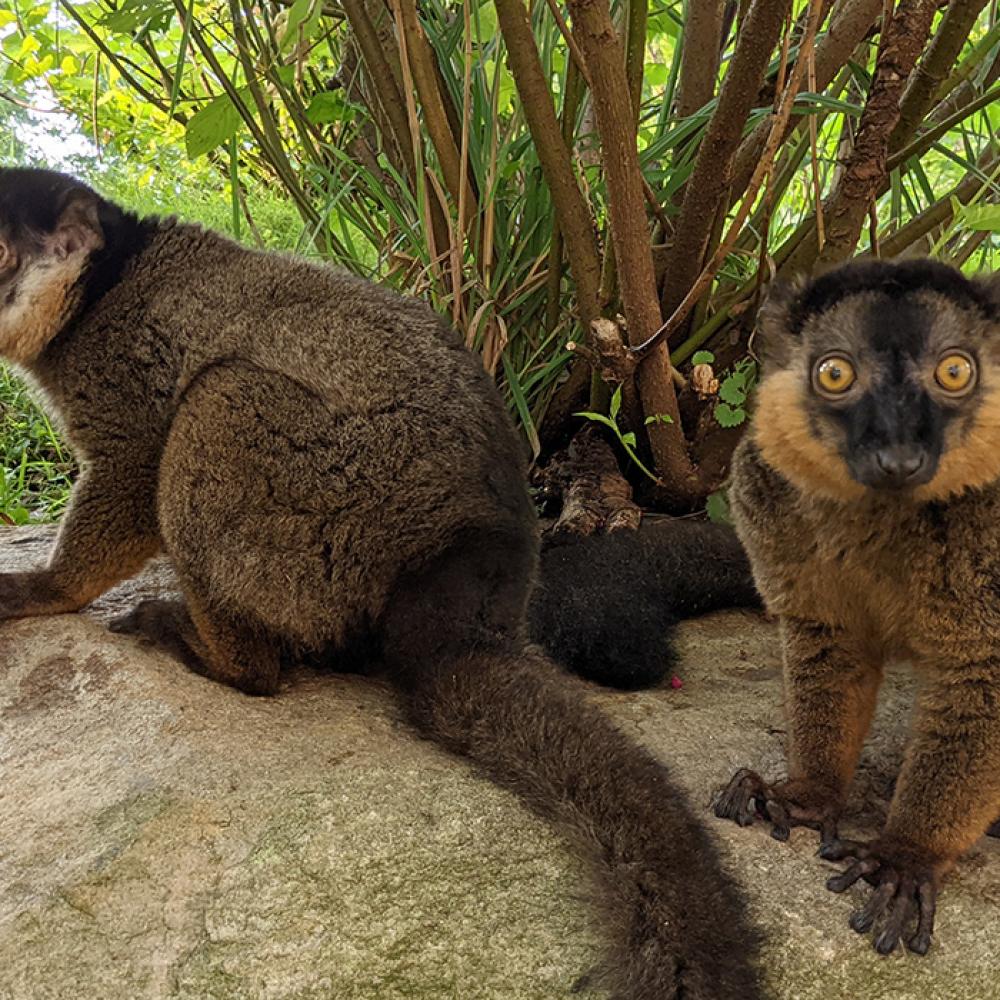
(79,227)
(776,330)
(989,284)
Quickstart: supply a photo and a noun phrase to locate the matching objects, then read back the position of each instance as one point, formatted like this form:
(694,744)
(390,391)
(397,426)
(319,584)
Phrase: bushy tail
(606,605)
(677,925)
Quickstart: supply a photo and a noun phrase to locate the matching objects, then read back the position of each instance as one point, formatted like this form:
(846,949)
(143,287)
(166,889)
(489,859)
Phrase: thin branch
(951,35)
(847,207)
(851,22)
(709,180)
(594,30)
(573,214)
(774,140)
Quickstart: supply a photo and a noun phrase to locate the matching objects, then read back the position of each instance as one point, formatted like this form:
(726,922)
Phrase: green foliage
(37,467)
(627,439)
(733,393)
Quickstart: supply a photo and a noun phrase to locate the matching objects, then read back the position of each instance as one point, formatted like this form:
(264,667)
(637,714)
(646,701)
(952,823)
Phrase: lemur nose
(899,462)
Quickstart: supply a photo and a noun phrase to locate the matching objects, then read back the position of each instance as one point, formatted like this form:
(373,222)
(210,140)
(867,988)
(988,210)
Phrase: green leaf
(702,358)
(154,15)
(212,126)
(717,508)
(981,218)
(599,418)
(302,13)
(659,418)
(616,402)
(727,416)
(327,107)
(733,390)
(628,439)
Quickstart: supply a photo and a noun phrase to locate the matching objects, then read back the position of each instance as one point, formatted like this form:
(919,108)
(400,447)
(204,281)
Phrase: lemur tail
(676,924)
(605,606)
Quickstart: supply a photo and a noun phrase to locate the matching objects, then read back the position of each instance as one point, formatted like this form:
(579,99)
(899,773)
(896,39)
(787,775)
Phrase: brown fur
(863,576)
(327,467)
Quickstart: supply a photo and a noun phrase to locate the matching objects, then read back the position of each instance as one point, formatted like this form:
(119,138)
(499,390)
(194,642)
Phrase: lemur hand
(785,804)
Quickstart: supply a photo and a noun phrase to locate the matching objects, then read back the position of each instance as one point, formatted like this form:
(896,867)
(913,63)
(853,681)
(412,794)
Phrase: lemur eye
(955,372)
(834,375)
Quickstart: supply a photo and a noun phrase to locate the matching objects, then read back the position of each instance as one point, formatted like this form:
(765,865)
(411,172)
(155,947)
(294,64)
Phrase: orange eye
(834,375)
(955,372)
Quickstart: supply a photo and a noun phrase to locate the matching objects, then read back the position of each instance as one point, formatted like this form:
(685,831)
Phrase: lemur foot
(784,805)
(904,885)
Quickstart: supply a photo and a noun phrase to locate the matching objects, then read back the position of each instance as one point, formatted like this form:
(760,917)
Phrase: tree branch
(936,64)
(700,55)
(851,22)
(572,213)
(707,185)
(598,40)
(847,208)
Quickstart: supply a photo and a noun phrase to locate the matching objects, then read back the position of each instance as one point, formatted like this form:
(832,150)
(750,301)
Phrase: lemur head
(61,247)
(884,377)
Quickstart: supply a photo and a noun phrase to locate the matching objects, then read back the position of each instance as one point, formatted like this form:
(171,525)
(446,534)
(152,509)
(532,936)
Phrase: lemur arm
(106,535)
(830,693)
(947,794)
(948,790)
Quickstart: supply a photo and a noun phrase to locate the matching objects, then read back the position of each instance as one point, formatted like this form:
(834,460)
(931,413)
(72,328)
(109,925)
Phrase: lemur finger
(886,942)
(778,815)
(927,898)
(836,849)
(862,920)
(838,883)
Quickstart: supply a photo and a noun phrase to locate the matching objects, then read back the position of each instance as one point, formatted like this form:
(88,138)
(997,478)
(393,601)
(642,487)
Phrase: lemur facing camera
(329,469)
(868,498)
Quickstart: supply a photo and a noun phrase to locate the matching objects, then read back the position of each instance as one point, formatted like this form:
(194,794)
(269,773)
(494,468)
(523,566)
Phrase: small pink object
(676,682)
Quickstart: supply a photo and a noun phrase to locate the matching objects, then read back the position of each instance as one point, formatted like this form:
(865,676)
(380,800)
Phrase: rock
(162,836)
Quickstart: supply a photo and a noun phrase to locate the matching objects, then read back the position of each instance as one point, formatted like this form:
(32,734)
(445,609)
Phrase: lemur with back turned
(868,497)
(329,469)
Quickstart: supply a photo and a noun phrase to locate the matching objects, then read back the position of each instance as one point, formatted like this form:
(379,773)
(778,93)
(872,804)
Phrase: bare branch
(851,22)
(951,35)
(595,32)
(706,187)
(572,212)
(700,55)
(848,206)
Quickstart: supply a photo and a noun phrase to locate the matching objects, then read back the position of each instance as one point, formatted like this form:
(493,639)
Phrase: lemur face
(49,228)
(883,377)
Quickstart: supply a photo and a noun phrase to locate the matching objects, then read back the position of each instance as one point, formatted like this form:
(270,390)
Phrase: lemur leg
(208,643)
(106,536)
(946,796)
(830,694)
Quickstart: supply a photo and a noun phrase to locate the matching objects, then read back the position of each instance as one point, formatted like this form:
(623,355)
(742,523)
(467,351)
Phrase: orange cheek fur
(787,442)
(974,460)
(45,296)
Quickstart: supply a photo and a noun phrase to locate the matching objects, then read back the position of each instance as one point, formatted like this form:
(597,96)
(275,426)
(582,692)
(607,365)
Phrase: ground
(164,837)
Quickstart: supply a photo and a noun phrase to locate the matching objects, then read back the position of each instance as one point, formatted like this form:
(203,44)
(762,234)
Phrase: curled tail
(676,925)
(453,642)
(605,606)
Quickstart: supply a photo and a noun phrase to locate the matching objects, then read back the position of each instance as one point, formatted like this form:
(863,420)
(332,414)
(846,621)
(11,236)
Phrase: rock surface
(161,836)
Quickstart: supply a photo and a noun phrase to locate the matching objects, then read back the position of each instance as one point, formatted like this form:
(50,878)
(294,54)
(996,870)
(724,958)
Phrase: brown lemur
(867,494)
(328,468)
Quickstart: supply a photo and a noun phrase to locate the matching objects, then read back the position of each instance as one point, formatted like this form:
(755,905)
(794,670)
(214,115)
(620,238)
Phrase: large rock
(162,836)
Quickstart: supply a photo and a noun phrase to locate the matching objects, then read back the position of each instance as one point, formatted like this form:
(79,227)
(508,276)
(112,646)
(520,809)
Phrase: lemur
(326,465)
(867,495)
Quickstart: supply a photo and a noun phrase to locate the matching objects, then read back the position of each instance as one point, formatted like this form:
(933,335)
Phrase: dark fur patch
(30,205)
(894,279)
(606,605)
